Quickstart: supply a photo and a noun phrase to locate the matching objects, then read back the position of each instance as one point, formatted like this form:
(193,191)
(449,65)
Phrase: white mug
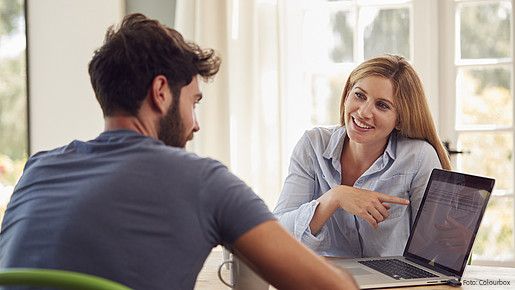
(241,276)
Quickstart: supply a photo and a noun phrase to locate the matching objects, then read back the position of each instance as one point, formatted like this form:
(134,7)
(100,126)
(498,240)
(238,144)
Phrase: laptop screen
(448,219)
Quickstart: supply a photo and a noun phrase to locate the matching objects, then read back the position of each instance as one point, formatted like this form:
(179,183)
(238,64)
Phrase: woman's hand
(370,205)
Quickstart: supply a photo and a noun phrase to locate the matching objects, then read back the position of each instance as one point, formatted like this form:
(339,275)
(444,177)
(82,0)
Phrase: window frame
(25,54)
(449,65)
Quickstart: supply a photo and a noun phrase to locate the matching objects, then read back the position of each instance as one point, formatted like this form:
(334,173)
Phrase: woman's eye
(360,95)
(383,106)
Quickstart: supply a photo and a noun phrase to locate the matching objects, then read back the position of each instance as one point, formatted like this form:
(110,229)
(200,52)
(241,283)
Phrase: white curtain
(240,117)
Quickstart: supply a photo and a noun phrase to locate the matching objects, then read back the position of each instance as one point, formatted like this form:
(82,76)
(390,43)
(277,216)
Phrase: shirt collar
(335,145)
(391,148)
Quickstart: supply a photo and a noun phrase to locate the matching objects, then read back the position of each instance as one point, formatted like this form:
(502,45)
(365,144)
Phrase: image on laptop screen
(448,221)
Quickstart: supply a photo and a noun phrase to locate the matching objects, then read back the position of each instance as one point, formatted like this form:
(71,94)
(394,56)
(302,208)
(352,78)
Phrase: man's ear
(160,94)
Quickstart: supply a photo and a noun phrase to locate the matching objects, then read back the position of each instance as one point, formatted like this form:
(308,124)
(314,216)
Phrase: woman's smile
(361,124)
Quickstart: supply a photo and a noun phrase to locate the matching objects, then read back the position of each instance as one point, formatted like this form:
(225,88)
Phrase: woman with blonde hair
(354,190)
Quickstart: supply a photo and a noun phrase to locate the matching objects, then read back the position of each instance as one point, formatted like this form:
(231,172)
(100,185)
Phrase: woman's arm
(305,217)
(297,202)
(372,206)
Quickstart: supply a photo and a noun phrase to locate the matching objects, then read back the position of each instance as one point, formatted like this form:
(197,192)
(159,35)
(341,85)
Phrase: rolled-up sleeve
(297,203)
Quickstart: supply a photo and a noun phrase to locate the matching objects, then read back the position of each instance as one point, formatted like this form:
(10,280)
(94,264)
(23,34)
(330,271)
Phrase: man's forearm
(287,264)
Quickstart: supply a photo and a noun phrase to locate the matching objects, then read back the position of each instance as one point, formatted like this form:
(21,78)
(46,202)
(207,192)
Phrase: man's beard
(171,128)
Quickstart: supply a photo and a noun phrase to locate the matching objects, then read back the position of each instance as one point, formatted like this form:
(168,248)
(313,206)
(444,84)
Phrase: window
(462,49)
(13,97)
(338,35)
(335,36)
(480,121)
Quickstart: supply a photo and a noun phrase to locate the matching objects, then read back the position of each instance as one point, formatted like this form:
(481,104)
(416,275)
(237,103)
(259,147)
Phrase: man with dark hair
(127,207)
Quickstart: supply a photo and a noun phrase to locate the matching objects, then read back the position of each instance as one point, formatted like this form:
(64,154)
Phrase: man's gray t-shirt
(128,208)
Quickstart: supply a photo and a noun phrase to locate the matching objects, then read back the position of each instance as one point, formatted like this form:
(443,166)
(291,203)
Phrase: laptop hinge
(434,268)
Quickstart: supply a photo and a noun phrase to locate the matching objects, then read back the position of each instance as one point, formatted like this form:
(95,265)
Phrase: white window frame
(448,23)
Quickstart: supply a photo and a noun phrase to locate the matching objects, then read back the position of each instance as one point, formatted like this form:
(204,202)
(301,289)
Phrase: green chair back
(56,279)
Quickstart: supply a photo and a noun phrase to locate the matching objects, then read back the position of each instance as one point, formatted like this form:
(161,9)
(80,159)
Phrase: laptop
(440,240)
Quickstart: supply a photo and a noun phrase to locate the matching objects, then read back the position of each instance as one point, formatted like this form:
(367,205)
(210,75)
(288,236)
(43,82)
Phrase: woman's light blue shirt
(403,170)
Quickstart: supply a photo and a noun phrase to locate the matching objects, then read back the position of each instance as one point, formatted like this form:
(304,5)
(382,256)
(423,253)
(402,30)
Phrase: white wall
(196,20)
(62,36)
(426,52)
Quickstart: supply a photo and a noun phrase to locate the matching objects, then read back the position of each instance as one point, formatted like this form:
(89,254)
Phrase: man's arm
(285,263)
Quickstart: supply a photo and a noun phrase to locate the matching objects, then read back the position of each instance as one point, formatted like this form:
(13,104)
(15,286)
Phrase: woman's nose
(365,110)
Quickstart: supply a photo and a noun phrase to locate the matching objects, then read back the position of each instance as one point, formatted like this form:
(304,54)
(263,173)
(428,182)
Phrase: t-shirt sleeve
(228,206)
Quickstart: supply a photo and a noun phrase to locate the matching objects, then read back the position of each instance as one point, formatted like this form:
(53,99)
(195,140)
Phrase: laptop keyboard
(397,269)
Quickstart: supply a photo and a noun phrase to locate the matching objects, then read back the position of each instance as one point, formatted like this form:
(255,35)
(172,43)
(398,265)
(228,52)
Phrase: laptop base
(368,278)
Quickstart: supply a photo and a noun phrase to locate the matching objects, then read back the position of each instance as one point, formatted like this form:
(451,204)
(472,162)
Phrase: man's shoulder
(182,156)
(44,154)
(142,151)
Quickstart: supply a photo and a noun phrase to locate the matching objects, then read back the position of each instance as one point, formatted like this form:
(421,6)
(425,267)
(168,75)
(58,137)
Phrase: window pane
(326,95)
(491,154)
(495,237)
(328,36)
(484,97)
(386,31)
(494,240)
(342,51)
(13,106)
(485,30)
